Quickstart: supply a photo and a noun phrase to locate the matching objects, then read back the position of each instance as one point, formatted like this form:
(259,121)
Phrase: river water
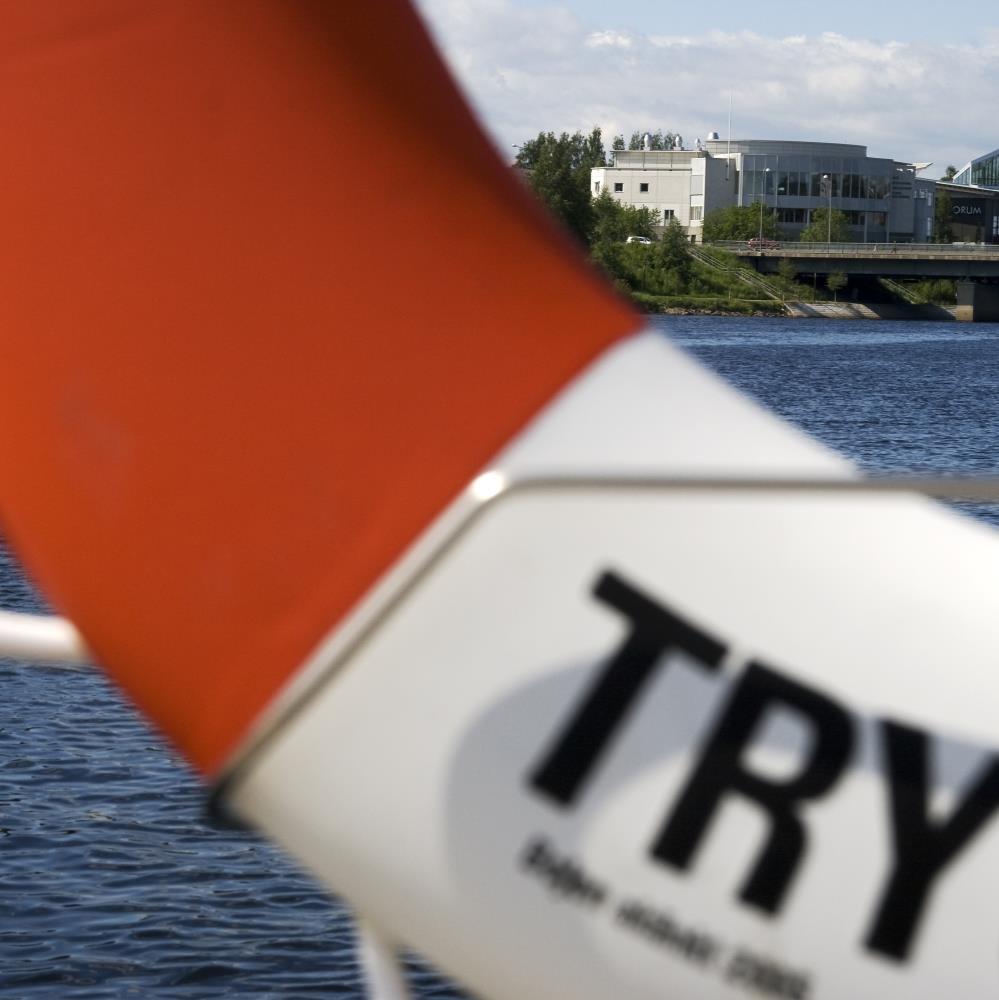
(113,884)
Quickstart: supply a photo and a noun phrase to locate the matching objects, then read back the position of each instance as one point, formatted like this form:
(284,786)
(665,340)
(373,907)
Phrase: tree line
(557,168)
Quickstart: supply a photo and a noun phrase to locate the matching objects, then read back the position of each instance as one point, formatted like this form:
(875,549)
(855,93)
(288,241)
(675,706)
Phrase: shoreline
(820,310)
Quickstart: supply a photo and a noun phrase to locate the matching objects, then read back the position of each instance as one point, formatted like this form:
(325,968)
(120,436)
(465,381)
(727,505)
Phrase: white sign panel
(626,743)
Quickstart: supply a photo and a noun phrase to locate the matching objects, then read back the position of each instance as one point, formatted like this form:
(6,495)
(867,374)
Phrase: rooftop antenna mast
(728,151)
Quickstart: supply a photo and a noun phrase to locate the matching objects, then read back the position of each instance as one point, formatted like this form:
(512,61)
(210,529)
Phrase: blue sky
(912,82)
(882,20)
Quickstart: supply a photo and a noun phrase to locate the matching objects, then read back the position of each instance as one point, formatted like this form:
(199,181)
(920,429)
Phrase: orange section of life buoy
(269,300)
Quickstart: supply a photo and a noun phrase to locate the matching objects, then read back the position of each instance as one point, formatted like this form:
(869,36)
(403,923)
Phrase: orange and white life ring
(375,499)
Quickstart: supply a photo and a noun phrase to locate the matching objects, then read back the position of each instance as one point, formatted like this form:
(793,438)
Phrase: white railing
(745,274)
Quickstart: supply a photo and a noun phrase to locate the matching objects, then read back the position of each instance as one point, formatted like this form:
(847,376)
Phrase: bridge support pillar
(977,303)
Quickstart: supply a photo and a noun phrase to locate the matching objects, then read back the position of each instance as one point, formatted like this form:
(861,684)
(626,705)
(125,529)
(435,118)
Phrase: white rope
(380,961)
(41,637)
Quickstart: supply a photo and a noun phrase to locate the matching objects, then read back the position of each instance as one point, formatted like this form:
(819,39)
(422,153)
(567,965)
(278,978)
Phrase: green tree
(619,142)
(942,218)
(612,258)
(558,170)
(614,222)
(825,226)
(738,222)
(940,291)
(787,271)
(673,252)
(836,282)
(950,173)
(658,140)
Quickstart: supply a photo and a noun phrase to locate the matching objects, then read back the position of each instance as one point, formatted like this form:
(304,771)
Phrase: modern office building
(884,200)
(983,171)
(973,196)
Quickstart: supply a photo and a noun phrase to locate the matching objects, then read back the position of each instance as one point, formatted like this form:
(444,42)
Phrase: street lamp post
(763,201)
(828,179)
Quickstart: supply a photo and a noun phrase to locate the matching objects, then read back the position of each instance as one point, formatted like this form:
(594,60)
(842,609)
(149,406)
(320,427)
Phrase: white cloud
(542,68)
(600,39)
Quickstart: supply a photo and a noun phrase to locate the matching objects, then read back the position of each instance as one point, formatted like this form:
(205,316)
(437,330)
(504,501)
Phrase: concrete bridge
(974,267)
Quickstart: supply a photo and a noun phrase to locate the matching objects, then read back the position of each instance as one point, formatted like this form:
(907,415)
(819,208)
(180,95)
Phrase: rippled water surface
(893,396)
(112,884)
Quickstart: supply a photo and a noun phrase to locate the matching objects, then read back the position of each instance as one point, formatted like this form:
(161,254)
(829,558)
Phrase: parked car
(762,244)
(639,239)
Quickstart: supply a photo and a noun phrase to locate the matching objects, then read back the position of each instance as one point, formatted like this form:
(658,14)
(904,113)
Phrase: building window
(618,185)
(668,215)
(643,186)
(985,171)
(791,216)
(696,213)
(596,187)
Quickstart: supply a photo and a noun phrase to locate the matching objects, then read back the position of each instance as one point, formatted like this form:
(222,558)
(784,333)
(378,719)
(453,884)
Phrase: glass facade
(804,177)
(792,216)
(802,216)
(810,184)
(794,185)
(984,171)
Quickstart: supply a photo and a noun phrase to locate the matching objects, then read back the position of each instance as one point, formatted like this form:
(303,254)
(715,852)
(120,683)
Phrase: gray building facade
(884,200)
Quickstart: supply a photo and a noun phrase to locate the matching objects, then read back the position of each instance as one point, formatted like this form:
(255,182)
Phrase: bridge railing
(863,249)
